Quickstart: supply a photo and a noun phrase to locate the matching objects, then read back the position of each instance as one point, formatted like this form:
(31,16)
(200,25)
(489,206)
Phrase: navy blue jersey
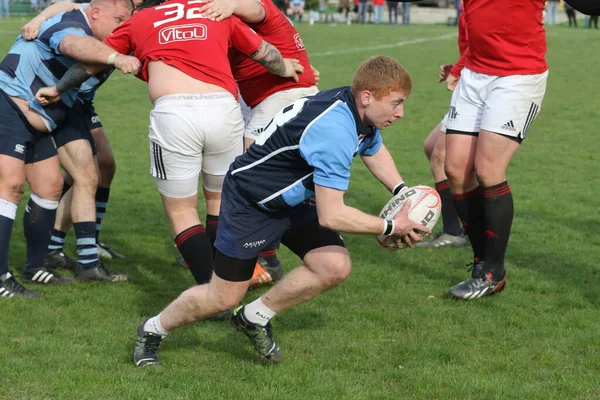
(30,65)
(313,140)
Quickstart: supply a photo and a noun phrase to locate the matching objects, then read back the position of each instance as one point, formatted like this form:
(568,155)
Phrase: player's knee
(488,174)
(87,179)
(224,300)
(14,188)
(336,270)
(436,161)
(53,187)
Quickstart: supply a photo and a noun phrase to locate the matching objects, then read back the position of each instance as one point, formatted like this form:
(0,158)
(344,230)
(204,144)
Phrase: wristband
(398,188)
(388,227)
(112,57)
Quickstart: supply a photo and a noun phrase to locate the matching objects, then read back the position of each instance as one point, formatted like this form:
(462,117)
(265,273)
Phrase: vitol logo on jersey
(182,33)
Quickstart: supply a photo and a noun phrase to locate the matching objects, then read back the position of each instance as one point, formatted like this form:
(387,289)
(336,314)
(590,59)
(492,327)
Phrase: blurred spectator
(593,21)
(296,8)
(551,13)
(378,7)
(392,12)
(405,13)
(362,11)
(571,15)
(344,10)
(281,4)
(4,9)
(458,8)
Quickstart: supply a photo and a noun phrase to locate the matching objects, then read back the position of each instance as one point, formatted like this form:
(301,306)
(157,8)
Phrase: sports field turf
(390,331)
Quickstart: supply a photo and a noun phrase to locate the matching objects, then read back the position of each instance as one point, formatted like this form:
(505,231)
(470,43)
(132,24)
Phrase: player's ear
(95,12)
(366,97)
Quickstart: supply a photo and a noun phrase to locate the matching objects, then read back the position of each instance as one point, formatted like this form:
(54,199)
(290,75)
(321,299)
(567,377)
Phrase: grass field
(390,331)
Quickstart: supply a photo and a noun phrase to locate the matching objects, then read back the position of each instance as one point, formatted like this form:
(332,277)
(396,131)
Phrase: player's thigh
(467,103)
(302,238)
(77,158)
(432,139)
(44,178)
(494,152)
(513,103)
(106,159)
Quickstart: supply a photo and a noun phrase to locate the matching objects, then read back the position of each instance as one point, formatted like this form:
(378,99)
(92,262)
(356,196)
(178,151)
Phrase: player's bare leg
(107,168)
(196,303)
(452,234)
(77,159)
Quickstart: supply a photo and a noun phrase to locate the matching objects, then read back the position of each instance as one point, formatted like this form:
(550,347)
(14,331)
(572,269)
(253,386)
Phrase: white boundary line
(383,46)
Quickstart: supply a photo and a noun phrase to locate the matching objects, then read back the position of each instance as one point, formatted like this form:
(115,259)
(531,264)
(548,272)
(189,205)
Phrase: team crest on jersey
(182,33)
(299,42)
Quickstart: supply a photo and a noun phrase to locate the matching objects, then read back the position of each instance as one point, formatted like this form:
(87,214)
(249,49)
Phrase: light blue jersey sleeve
(371,146)
(329,144)
(54,30)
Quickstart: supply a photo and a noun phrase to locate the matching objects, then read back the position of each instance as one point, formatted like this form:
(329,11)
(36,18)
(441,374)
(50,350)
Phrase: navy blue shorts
(94,118)
(18,139)
(77,125)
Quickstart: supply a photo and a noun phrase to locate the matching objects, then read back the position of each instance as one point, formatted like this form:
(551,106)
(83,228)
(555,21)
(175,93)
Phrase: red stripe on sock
(212,222)
(442,185)
(468,195)
(185,235)
(491,234)
(267,253)
(464,223)
(496,192)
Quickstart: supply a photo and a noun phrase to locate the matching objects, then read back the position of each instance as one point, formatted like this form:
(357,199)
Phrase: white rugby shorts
(502,104)
(263,113)
(190,133)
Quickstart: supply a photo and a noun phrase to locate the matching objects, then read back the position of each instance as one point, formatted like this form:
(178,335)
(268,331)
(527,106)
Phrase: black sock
(87,252)
(194,245)
(469,207)
(7,219)
(102,195)
(270,256)
(449,215)
(212,224)
(37,227)
(498,215)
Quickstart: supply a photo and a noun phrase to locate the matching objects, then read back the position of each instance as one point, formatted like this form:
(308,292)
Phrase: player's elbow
(328,219)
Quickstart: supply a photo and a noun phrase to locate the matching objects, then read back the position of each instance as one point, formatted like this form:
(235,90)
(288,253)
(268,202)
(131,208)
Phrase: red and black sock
(449,215)
(196,249)
(469,207)
(498,212)
(270,256)
(212,224)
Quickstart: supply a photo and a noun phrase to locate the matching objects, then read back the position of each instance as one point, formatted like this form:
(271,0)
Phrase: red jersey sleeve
(243,38)
(120,39)
(463,46)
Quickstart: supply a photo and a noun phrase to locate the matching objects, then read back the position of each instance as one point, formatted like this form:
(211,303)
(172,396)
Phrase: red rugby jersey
(254,81)
(177,34)
(506,37)
(463,45)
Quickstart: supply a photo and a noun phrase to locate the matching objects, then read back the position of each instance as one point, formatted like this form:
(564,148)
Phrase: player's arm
(335,215)
(382,166)
(269,57)
(31,29)
(249,11)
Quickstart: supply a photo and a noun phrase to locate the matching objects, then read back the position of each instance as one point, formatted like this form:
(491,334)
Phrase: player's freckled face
(383,112)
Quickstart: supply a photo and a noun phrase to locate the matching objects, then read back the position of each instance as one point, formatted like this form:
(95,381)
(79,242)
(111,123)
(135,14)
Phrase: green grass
(390,331)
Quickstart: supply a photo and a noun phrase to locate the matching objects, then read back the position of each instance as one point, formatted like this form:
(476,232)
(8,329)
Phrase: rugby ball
(425,208)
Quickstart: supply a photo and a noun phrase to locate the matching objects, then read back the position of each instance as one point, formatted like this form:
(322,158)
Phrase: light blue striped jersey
(312,141)
(30,65)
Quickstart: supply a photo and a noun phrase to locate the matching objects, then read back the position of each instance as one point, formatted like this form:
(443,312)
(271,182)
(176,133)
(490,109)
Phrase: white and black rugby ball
(425,208)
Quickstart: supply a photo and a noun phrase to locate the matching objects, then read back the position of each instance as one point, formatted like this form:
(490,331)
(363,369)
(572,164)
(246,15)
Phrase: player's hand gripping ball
(425,208)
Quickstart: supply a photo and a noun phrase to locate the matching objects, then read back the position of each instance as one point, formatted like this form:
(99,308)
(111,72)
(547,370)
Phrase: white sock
(153,325)
(257,313)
